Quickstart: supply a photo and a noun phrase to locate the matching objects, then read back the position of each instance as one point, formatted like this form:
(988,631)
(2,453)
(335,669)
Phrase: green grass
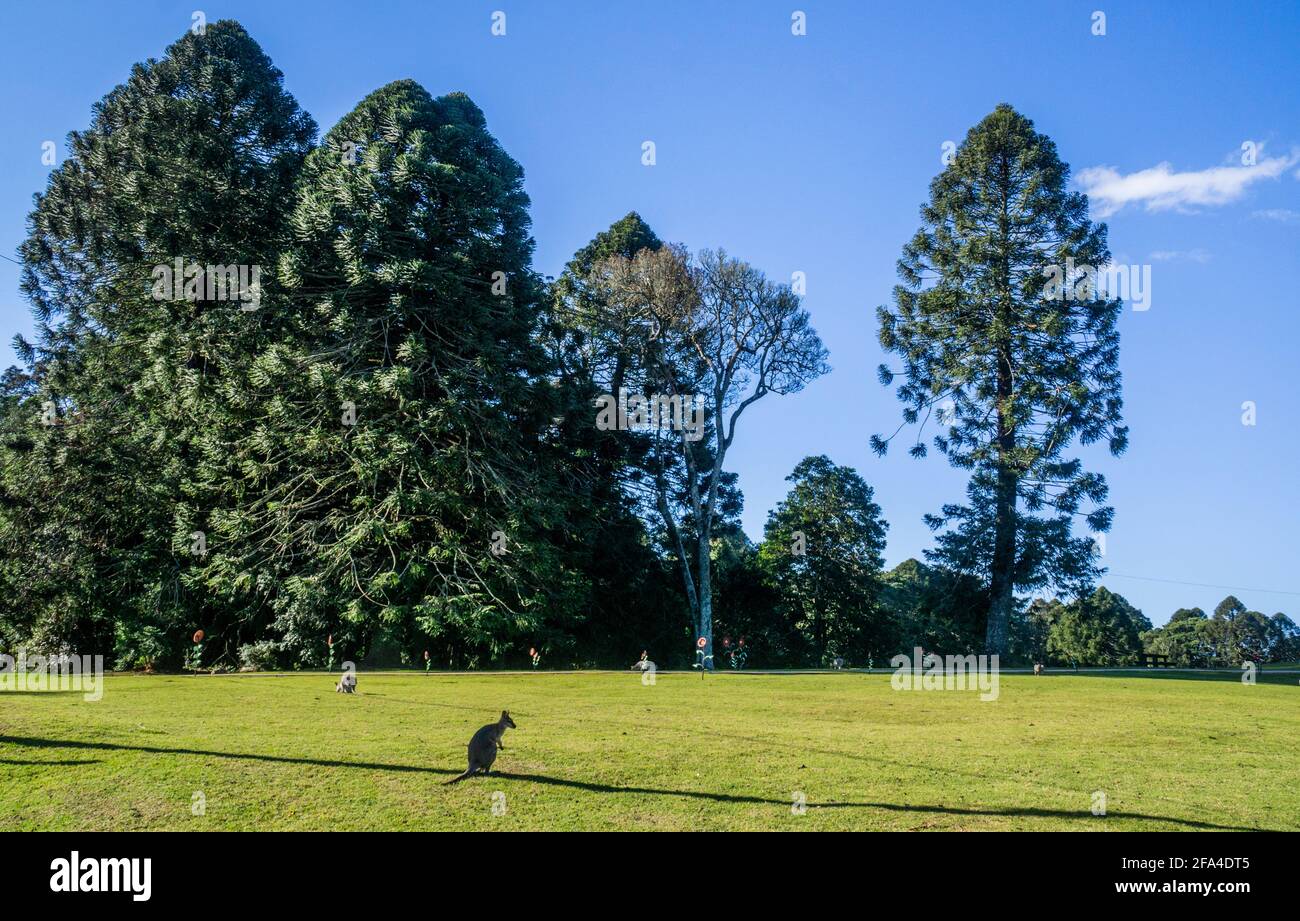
(602,751)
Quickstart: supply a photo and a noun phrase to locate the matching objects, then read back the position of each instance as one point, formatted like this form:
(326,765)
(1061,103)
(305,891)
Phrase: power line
(1231,588)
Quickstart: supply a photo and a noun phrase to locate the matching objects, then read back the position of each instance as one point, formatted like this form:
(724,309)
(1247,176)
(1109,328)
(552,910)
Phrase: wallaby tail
(461,777)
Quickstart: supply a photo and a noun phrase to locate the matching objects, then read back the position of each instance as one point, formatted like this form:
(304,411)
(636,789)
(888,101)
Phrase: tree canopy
(310,396)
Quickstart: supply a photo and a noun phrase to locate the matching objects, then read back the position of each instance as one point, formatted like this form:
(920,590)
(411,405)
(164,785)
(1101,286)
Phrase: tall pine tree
(1012,367)
(191,159)
(387,480)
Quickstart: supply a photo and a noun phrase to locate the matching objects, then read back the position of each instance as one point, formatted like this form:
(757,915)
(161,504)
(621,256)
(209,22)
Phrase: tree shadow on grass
(30,742)
(891,807)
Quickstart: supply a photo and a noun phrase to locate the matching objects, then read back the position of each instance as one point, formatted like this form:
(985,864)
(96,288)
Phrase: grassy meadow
(602,751)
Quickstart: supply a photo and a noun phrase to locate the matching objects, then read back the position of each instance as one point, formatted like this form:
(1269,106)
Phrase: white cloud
(1161,189)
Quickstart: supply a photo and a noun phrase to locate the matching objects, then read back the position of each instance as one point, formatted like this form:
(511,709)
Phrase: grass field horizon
(602,751)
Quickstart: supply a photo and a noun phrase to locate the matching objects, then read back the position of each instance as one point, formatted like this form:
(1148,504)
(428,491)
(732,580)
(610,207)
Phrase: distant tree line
(309,397)
(1230,636)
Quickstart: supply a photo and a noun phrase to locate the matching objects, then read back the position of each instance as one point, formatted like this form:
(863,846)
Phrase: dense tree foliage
(1101,629)
(391,430)
(312,398)
(634,600)
(1233,635)
(823,550)
(934,608)
(192,158)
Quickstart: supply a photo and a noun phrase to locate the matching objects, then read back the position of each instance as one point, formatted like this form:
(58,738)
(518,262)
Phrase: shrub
(260,656)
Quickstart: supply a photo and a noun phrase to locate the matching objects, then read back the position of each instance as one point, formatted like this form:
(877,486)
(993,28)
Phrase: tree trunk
(706,594)
(704,556)
(1002,582)
(671,524)
(1002,579)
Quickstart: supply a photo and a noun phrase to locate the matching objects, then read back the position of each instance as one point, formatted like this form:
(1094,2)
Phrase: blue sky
(813,153)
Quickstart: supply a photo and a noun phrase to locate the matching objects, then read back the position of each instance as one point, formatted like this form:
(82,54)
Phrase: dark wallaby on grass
(483,747)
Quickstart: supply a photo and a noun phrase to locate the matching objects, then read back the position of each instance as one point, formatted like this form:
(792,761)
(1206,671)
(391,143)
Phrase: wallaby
(483,747)
(1038,668)
(347,684)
